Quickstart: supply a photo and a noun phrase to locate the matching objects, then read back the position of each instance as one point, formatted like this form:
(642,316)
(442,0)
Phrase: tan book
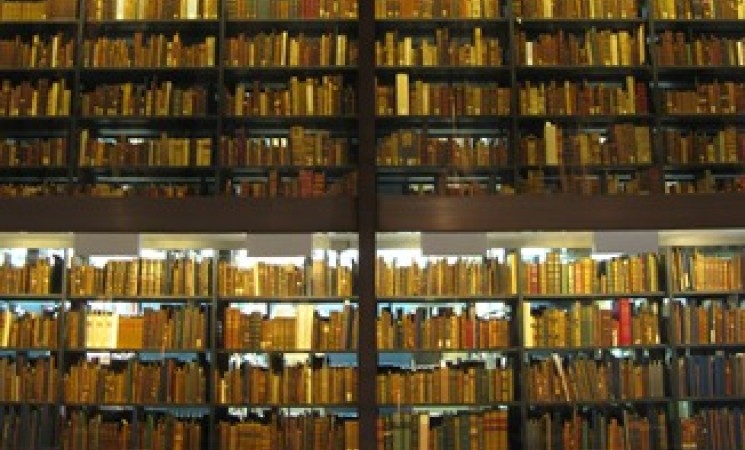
(550,134)
(402,94)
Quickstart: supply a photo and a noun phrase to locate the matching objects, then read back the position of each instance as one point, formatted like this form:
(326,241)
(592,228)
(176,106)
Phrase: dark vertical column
(73,138)
(219,95)
(213,366)
(61,275)
(673,375)
(655,127)
(511,59)
(520,368)
(367,224)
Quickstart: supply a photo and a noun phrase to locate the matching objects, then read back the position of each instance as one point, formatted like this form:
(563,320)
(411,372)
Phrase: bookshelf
(539,339)
(444,322)
(138,351)
(233,161)
(199,56)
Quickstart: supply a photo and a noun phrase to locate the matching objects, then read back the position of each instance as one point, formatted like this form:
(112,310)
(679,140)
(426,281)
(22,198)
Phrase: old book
(402,94)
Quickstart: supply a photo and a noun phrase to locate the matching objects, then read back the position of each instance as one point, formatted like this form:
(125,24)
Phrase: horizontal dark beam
(198,214)
(560,212)
(396,213)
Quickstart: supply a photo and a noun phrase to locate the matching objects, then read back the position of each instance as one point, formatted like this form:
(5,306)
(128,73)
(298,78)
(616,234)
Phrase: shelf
(423,351)
(274,73)
(199,74)
(125,172)
(447,299)
(168,352)
(599,296)
(726,400)
(453,122)
(334,122)
(197,122)
(224,351)
(717,167)
(406,172)
(588,168)
(453,23)
(30,26)
(137,405)
(195,410)
(147,25)
(703,294)
(582,72)
(475,405)
(598,403)
(313,406)
(32,170)
(437,73)
(584,120)
(35,123)
(578,24)
(559,212)
(192,215)
(28,350)
(22,73)
(290,300)
(727,72)
(142,299)
(703,25)
(27,403)
(289,170)
(291,24)
(36,298)
(669,119)
(595,348)
(712,347)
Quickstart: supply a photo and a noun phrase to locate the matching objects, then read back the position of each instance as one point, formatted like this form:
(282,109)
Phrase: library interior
(372,225)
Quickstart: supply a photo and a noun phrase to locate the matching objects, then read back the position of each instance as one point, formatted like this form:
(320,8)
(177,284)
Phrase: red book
(623,306)
(641,99)
(469,322)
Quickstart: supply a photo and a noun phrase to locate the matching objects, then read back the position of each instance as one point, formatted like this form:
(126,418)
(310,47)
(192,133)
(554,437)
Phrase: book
(465,277)
(139,277)
(286,49)
(586,98)
(166,381)
(100,10)
(580,377)
(290,432)
(282,280)
(630,273)
(41,99)
(29,380)
(467,383)
(410,9)
(38,52)
(591,9)
(327,95)
(705,98)
(148,50)
(596,47)
(590,325)
(445,328)
(163,151)
(301,383)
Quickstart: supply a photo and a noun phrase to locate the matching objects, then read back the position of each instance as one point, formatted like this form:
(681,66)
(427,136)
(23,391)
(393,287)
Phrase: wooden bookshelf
(690,176)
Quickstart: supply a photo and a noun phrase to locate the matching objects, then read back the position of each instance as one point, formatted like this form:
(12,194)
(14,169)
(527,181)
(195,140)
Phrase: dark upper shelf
(395,213)
(197,214)
(559,212)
